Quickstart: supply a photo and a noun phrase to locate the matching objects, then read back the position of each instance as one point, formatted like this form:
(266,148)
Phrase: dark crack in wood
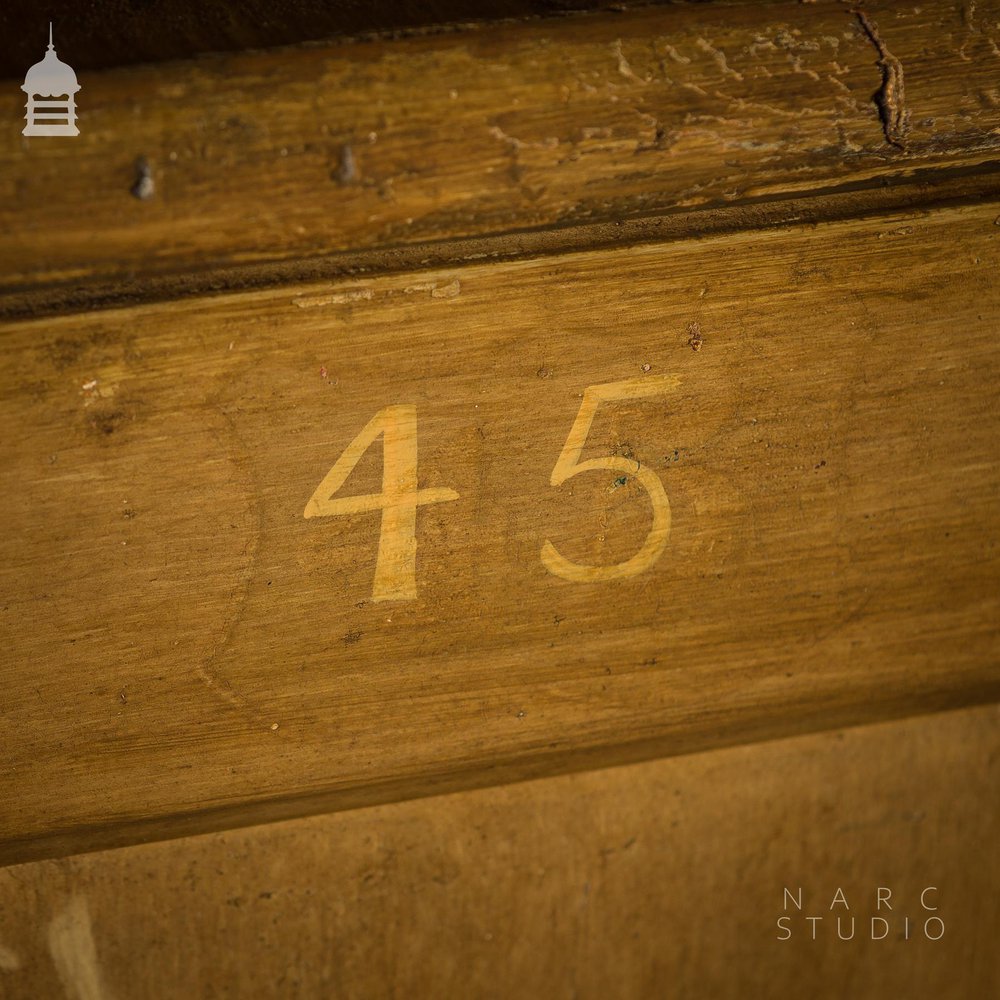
(890,98)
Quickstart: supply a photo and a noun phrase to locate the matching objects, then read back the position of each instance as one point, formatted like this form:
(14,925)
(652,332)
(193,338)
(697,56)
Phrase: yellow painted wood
(185,650)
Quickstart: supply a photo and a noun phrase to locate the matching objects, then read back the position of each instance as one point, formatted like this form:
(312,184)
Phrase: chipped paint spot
(719,57)
(436,289)
(336,298)
(71,944)
(448,291)
(623,64)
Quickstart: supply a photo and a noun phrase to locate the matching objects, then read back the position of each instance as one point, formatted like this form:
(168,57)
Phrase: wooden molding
(186,649)
(607,884)
(268,167)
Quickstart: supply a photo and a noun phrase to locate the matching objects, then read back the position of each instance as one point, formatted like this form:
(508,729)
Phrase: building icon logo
(51,78)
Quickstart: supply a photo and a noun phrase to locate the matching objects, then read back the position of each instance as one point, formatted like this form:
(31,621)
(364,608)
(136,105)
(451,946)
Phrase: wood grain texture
(660,879)
(184,650)
(287,157)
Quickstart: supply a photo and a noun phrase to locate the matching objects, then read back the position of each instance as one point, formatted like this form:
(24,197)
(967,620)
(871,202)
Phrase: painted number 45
(395,567)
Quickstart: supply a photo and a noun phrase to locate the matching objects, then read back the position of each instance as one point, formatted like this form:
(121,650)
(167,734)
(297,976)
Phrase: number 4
(395,567)
(569,465)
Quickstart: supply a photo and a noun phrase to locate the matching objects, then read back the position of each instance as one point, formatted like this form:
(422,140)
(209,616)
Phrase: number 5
(569,465)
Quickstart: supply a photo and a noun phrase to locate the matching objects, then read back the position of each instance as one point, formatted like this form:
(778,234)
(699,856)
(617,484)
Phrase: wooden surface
(185,650)
(491,142)
(390,418)
(660,879)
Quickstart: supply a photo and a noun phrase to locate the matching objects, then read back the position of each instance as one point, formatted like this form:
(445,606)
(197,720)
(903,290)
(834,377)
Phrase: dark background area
(98,35)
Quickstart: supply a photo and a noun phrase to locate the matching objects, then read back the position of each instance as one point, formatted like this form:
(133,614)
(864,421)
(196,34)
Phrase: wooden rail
(242,170)
(626,393)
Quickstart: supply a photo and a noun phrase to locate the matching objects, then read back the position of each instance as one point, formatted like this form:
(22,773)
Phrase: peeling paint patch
(449,291)
(336,298)
(720,58)
(437,291)
(624,67)
(71,944)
